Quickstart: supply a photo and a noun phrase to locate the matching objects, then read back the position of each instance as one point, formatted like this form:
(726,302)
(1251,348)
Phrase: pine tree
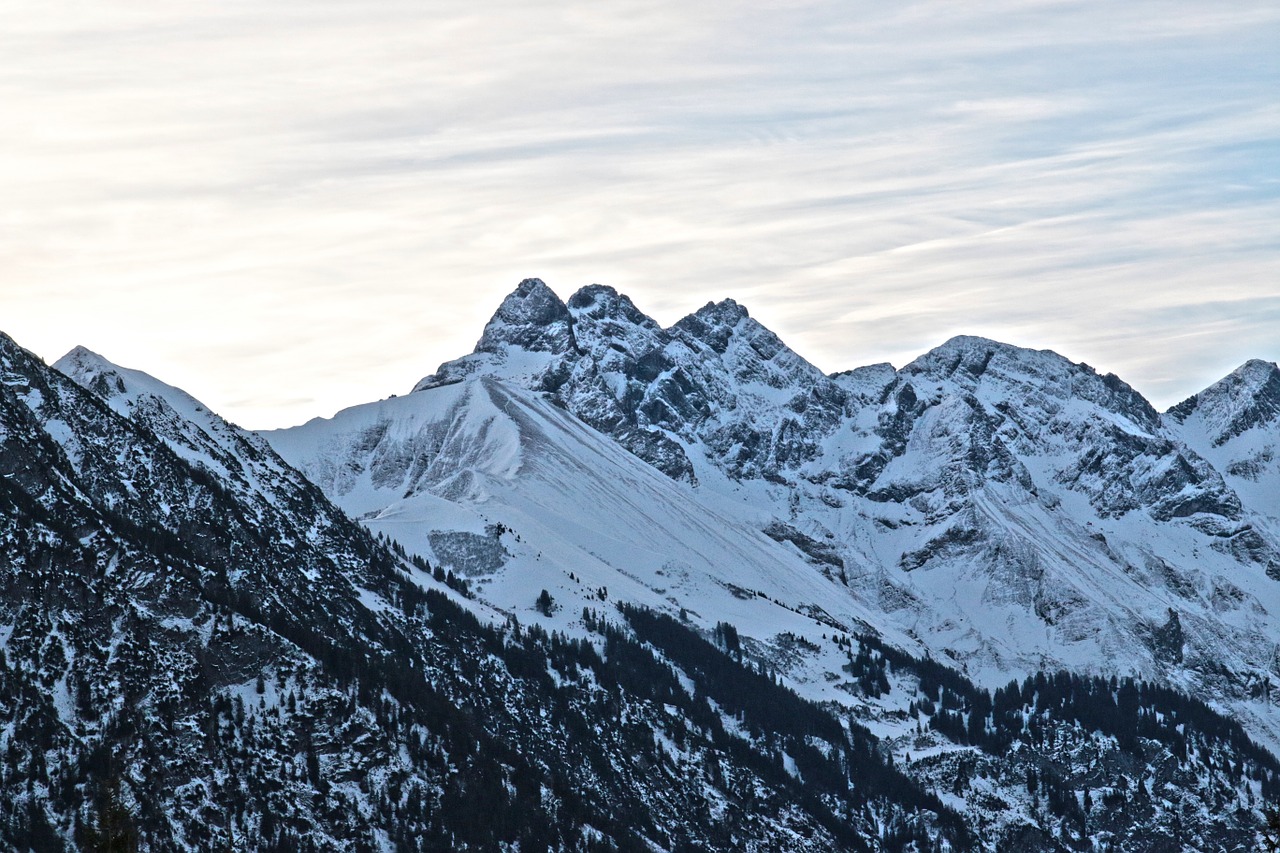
(1271,832)
(113,830)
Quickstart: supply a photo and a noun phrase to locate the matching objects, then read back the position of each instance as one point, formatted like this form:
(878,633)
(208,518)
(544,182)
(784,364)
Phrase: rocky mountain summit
(1248,398)
(653,390)
(1236,423)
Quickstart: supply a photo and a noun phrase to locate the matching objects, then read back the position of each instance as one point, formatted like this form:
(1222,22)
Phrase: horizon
(1160,406)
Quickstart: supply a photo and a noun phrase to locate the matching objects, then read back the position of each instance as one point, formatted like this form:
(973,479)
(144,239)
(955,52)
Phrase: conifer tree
(113,829)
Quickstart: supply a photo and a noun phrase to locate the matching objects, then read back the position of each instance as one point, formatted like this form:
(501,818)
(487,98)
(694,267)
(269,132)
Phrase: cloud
(293,206)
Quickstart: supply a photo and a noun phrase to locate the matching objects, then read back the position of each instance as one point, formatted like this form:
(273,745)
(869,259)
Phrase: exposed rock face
(655,390)
(1235,423)
(1247,398)
(1168,639)
(531,324)
(532,318)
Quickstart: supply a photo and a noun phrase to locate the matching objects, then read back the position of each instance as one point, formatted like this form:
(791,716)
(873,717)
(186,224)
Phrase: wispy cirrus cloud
(331,197)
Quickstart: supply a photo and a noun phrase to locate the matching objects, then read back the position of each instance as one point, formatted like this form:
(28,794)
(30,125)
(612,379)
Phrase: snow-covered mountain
(640,588)
(1005,509)
(198,651)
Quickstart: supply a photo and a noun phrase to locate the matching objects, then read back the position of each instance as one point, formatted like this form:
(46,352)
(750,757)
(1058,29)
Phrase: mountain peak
(977,343)
(971,362)
(1244,398)
(531,317)
(971,355)
(725,312)
(965,341)
(93,371)
(1256,372)
(82,358)
(714,323)
(600,301)
(79,353)
(534,287)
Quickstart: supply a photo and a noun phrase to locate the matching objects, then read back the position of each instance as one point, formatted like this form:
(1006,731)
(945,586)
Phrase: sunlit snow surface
(1015,571)
(573,505)
(480,452)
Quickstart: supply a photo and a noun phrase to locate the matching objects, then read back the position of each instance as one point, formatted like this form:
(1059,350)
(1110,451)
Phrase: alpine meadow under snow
(604,585)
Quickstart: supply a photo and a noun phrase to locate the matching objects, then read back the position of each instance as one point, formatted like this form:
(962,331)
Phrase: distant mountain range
(615,586)
(1003,509)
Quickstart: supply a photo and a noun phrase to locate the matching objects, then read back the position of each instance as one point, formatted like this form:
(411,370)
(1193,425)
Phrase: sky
(287,207)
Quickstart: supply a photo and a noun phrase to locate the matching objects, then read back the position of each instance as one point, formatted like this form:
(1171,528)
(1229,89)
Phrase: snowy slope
(239,458)
(1006,508)
(499,484)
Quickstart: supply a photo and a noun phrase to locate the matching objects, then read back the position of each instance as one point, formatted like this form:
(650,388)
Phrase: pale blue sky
(287,207)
